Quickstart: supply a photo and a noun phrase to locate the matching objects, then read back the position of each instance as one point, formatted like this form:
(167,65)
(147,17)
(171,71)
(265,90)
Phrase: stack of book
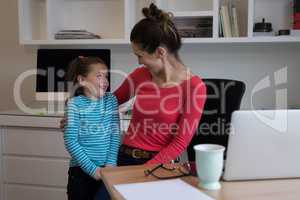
(75,34)
(191,27)
(228,25)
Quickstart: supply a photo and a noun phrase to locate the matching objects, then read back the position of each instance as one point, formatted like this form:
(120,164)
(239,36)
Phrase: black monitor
(52,66)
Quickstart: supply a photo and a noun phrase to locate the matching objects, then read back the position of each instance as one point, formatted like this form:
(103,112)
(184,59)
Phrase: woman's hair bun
(155,14)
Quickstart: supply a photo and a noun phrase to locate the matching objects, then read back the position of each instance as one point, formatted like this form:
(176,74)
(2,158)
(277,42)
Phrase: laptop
(263,144)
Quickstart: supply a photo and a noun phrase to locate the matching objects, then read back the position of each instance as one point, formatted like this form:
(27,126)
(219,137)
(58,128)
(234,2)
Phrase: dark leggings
(83,187)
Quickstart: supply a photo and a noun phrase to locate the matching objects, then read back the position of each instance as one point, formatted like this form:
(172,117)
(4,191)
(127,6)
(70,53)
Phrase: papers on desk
(175,189)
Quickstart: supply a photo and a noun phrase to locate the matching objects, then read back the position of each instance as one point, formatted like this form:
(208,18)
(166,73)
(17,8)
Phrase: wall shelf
(281,39)
(39,20)
(78,42)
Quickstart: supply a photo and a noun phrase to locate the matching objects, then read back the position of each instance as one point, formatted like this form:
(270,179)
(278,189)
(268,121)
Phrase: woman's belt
(137,153)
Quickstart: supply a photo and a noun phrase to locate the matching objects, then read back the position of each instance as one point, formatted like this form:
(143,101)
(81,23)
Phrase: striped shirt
(92,134)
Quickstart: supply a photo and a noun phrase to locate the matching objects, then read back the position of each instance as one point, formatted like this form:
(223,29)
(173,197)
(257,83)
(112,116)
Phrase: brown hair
(156,29)
(81,66)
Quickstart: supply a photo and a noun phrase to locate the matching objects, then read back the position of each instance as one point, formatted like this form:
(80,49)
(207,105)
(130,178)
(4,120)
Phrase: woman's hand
(63,123)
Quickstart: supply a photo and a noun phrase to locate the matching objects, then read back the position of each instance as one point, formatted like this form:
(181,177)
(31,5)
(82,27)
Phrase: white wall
(249,63)
(13,58)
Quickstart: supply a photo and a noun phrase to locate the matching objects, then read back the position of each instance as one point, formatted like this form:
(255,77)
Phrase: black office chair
(223,97)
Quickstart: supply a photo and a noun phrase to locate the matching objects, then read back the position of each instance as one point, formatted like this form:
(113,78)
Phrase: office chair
(223,97)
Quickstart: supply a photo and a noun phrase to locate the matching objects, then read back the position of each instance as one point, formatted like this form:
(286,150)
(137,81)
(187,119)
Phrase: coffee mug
(209,165)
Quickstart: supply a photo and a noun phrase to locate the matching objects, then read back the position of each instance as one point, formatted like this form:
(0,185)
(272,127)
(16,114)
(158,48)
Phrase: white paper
(175,189)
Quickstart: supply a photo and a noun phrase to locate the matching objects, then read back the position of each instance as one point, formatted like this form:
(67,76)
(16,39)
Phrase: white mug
(209,165)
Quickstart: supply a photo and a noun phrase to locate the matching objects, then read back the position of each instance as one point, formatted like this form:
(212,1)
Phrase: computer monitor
(52,66)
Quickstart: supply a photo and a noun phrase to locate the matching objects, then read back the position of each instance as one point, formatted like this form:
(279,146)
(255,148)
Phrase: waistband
(137,153)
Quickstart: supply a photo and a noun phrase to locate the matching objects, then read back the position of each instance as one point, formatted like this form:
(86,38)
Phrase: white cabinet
(33,159)
(34,162)
(113,20)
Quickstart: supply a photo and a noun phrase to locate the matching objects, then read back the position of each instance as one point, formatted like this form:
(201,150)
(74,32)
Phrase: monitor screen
(52,66)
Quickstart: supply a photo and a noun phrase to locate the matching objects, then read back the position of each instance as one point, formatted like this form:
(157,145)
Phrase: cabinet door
(35,171)
(17,192)
(34,163)
(34,142)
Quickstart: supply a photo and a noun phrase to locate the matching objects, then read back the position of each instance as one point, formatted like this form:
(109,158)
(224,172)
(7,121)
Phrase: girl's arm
(71,140)
(115,133)
(187,125)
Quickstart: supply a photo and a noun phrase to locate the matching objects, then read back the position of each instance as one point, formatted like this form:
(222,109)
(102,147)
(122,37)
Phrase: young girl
(92,134)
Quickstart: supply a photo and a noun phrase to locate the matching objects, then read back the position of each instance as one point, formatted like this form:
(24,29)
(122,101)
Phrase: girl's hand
(98,174)
(109,166)
(63,123)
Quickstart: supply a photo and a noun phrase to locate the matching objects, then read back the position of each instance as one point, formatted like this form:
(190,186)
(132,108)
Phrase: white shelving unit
(277,12)
(113,20)
(194,9)
(41,19)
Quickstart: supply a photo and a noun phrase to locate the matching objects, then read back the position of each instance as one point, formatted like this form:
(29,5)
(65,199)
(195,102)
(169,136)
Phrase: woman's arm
(124,92)
(187,125)
(127,89)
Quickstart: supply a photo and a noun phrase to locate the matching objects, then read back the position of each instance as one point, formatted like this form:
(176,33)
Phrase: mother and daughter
(166,112)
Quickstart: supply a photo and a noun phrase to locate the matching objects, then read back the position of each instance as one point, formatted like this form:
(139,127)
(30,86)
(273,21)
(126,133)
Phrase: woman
(169,98)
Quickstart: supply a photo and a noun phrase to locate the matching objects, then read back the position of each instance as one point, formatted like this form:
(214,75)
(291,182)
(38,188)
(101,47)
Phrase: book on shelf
(235,23)
(60,37)
(194,27)
(221,34)
(229,20)
(226,21)
(73,30)
(75,34)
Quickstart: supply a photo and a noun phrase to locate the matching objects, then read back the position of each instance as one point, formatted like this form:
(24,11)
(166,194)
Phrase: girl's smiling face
(96,81)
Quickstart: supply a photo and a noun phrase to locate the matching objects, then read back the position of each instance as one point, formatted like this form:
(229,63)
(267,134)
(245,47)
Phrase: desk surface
(246,190)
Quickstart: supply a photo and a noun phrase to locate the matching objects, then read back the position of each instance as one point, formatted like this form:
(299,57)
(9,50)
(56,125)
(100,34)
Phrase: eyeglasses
(179,171)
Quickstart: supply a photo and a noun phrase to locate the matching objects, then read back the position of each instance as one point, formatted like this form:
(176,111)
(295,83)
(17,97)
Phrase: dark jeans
(124,159)
(83,187)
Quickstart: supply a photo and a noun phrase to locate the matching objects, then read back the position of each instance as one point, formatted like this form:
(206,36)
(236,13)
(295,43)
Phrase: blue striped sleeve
(115,133)
(71,140)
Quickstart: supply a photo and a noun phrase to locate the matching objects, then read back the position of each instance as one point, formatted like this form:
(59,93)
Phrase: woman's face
(152,61)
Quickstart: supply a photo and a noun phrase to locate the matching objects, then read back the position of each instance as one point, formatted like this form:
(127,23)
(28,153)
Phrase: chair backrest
(223,97)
